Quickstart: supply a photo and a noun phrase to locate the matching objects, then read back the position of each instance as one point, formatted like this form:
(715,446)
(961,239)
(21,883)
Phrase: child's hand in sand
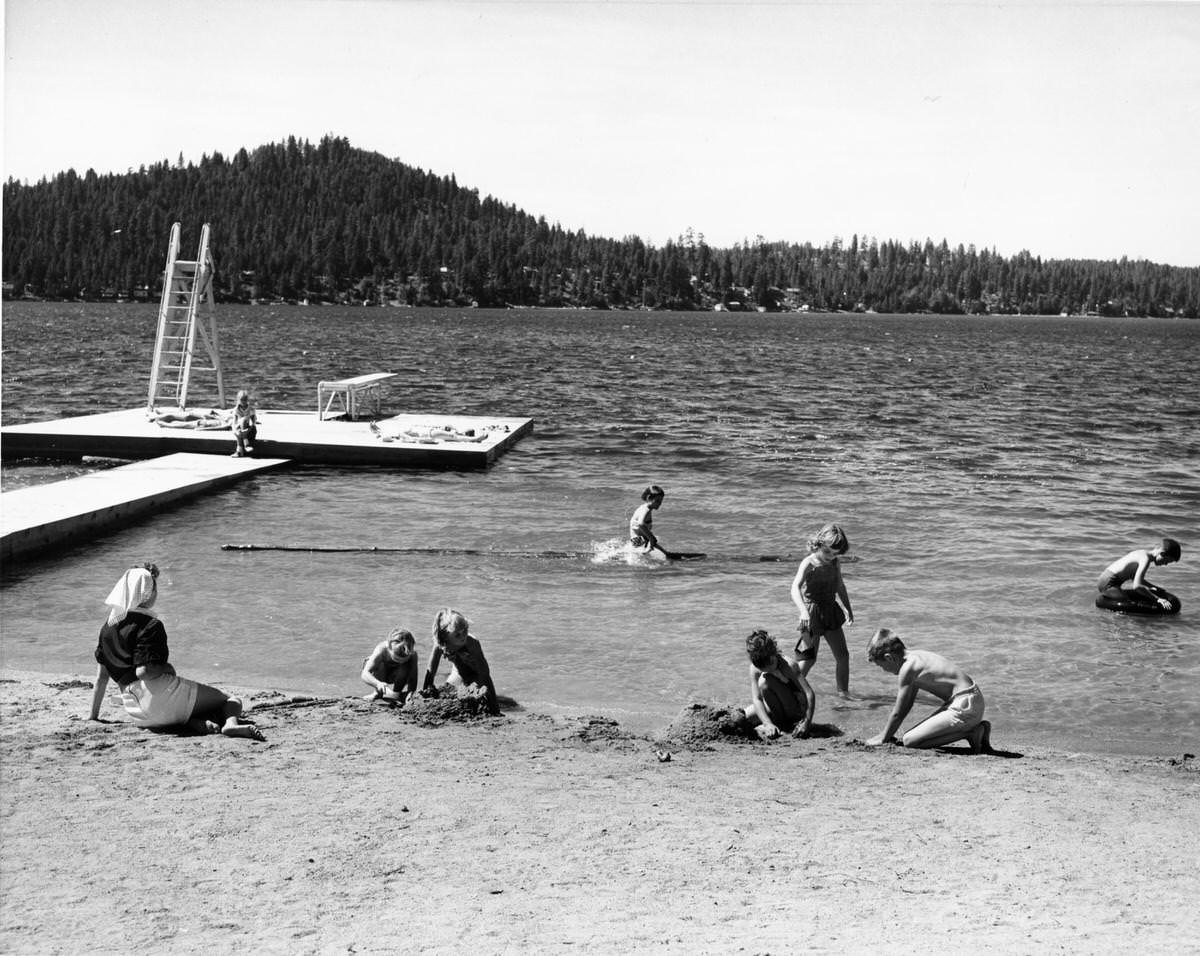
(879,740)
(800,732)
(770,731)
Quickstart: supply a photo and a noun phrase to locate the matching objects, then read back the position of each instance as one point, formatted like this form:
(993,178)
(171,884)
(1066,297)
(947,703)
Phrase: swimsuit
(819,591)
(1112,579)
(962,712)
(642,518)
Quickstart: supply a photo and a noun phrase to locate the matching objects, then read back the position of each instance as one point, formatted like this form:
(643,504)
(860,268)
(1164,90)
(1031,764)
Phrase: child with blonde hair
(453,640)
(816,591)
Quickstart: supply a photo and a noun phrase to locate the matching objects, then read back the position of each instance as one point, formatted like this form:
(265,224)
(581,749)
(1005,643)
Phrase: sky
(1068,129)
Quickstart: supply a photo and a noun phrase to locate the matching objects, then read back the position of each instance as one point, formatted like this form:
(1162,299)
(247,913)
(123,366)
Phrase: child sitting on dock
(391,669)
(781,700)
(453,641)
(961,713)
(245,425)
(1126,577)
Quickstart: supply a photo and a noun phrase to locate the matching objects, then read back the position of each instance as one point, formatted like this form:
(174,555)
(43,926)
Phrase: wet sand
(357,828)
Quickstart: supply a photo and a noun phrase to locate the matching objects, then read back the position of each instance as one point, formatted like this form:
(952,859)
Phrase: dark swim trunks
(1109,579)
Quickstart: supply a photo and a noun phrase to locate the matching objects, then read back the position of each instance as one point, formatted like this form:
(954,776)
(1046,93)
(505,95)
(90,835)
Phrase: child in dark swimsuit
(453,641)
(816,591)
(781,700)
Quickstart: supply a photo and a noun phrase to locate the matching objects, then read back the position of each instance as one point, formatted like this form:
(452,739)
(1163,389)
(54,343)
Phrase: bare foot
(233,728)
(980,738)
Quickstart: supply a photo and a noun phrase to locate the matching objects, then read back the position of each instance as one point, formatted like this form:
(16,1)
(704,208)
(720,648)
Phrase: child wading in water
(1126,577)
(452,640)
(641,535)
(816,590)
(961,713)
(780,698)
(392,668)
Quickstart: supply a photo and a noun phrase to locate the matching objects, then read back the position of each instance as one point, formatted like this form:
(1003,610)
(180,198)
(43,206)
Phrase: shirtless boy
(961,714)
(781,700)
(1126,577)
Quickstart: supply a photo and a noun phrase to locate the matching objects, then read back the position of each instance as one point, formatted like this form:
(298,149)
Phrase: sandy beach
(356,828)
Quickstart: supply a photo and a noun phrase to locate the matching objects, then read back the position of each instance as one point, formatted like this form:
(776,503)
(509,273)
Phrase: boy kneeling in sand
(392,668)
(780,698)
(961,713)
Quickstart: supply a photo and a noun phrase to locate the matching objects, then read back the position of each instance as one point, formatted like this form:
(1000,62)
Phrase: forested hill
(329,222)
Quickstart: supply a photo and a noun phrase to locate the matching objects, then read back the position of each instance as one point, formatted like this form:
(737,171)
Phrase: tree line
(328,222)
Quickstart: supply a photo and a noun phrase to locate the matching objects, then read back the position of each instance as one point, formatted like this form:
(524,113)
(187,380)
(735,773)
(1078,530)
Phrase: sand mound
(699,725)
(447,707)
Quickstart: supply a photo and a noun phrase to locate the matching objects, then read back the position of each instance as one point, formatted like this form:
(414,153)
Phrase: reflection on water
(985,469)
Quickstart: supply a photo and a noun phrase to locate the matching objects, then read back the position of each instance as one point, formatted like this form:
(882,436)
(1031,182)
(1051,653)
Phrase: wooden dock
(402,441)
(47,516)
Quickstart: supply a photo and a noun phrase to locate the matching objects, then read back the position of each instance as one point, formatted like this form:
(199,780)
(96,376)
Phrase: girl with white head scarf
(138,589)
(132,652)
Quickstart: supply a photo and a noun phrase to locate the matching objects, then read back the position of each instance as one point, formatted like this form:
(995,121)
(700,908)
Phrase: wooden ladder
(186,316)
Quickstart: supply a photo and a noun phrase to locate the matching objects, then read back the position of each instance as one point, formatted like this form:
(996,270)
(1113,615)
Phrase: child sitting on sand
(453,640)
(961,713)
(816,590)
(392,668)
(1126,577)
(781,700)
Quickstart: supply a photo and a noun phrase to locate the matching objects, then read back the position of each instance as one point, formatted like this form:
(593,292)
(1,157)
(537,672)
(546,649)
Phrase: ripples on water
(986,469)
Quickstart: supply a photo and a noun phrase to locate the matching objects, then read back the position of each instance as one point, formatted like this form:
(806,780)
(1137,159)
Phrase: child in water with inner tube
(453,641)
(391,669)
(816,591)
(1125,578)
(781,700)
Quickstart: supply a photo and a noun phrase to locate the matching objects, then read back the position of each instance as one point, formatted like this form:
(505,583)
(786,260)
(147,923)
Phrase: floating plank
(48,516)
(301,437)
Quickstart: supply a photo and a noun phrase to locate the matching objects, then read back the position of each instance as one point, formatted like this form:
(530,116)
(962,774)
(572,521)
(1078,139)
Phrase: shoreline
(350,829)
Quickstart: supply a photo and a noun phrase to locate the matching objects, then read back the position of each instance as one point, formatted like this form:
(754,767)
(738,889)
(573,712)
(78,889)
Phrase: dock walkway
(46,516)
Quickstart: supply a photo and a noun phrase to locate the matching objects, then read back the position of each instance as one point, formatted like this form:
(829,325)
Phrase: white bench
(359,395)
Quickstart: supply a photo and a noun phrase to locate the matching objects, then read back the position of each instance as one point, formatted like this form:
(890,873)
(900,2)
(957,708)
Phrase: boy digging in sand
(961,713)
(781,700)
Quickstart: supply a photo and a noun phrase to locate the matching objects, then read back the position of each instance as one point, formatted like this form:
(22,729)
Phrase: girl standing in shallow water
(816,591)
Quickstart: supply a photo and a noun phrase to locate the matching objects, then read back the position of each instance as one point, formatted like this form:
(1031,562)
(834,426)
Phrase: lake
(985,469)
